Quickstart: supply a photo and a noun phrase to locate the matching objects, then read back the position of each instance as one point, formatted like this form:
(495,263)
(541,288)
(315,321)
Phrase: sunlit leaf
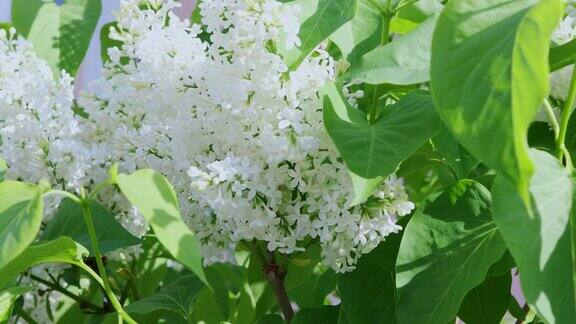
(21,209)
(61,250)
(7,299)
(156,200)
(373,150)
(490,75)
(403,61)
(177,296)
(60,33)
(541,239)
(446,250)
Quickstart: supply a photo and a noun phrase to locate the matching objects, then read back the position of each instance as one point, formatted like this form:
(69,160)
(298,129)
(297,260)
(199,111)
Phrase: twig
(62,290)
(275,276)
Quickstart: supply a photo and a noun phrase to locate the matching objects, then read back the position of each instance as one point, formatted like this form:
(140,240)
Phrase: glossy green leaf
(489,77)
(317,315)
(368,294)
(423,173)
(404,61)
(156,200)
(373,150)
(61,250)
(204,310)
(488,302)
(7,299)
(504,265)
(68,221)
(570,141)
(446,250)
(418,11)
(177,296)
(321,18)
(60,33)
(301,266)
(21,209)
(313,291)
(453,154)
(541,240)
(360,35)
(563,55)
(364,188)
(106,42)
(270,319)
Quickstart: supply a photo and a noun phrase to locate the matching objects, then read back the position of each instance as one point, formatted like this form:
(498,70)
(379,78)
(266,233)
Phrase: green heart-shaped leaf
(60,33)
(376,150)
(446,250)
(404,61)
(7,299)
(490,75)
(542,240)
(68,221)
(61,250)
(21,209)
(156,200)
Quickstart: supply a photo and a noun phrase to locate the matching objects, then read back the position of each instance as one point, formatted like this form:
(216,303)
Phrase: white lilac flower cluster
(229,117)
(215,109)
(565,32)
(38,129)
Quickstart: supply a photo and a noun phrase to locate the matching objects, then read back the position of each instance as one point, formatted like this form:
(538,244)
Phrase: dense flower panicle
(238,134)
(38,130)
(565,32)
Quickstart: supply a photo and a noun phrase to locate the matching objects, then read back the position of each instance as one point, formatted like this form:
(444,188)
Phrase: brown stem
(281,295)
(275,275)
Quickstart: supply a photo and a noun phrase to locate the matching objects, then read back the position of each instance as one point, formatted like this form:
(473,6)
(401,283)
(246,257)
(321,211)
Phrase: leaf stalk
(567,110)
(85,204)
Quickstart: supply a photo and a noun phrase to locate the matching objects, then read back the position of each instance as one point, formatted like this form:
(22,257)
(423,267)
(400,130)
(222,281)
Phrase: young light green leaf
(7,299)
(21,209)
(68,221)
(156,200)
(418,11)
(322,19)
(106,42)
(488,302)
(404,61)
(360,35)
(3,169)
(446,250)
(4,25)
(61,250)
(60,33)
(489,77)
(563,55)
(376,150)
(177,296)
(541,240)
